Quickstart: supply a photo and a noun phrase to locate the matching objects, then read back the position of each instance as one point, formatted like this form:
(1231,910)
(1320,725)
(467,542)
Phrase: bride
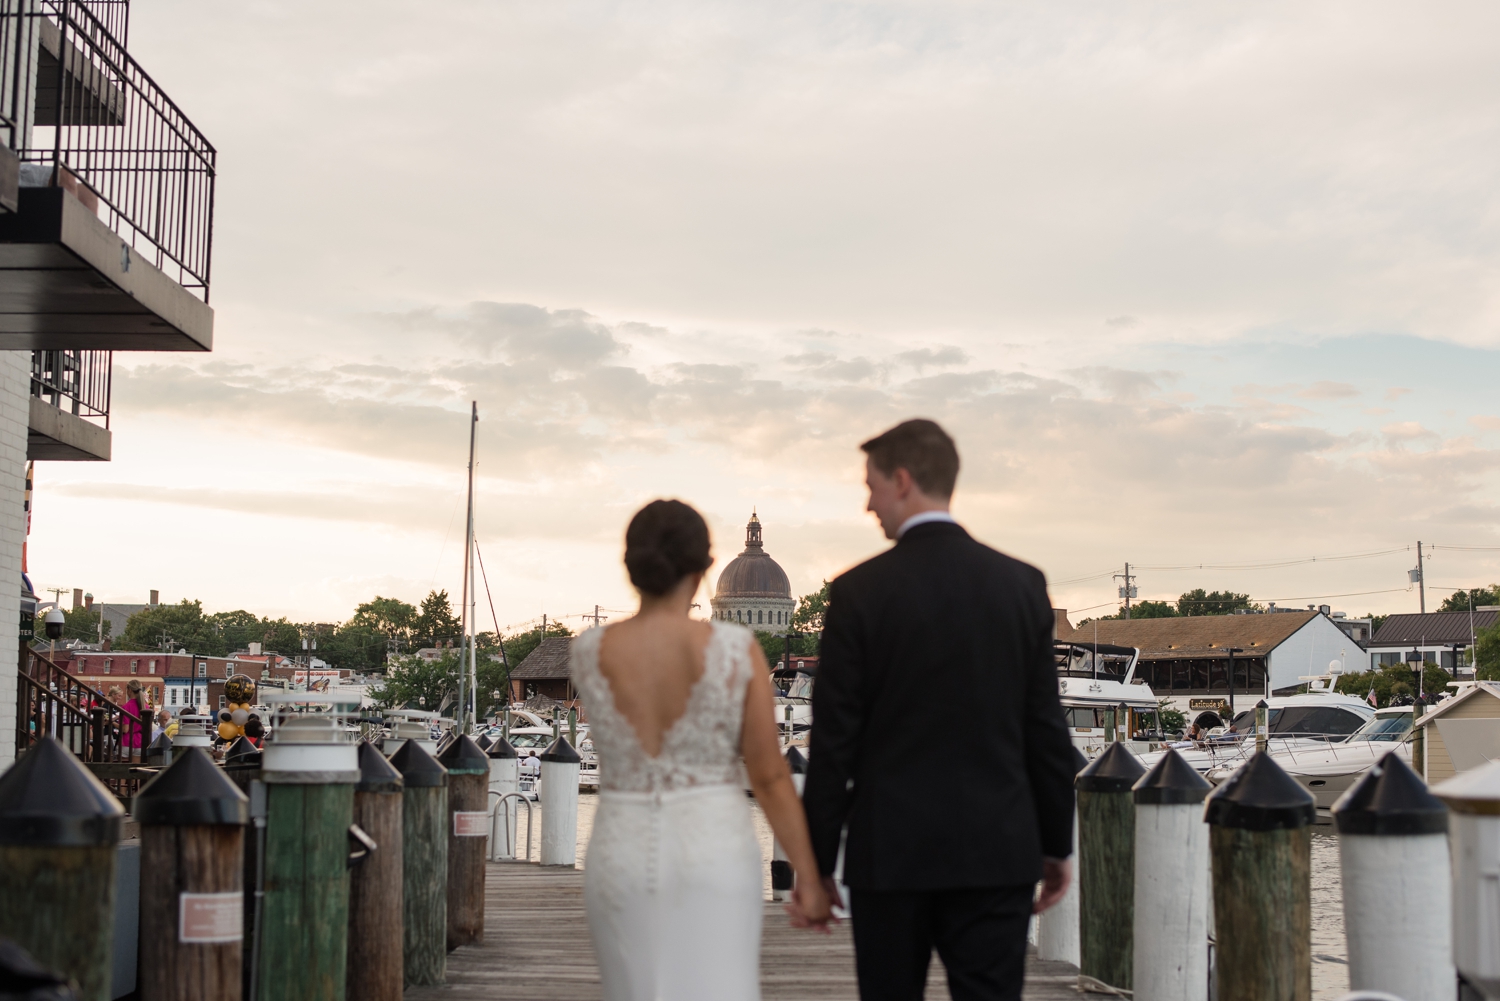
(673,879)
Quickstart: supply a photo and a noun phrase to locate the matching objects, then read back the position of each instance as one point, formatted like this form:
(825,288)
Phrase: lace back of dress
(701,748)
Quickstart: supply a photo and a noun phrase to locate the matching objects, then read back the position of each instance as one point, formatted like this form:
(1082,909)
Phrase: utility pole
(1421,581)
(1126,590)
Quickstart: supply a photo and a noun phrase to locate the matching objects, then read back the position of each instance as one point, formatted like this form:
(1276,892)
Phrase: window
(760,617)
(1317,719)
(151,667)
(106,665)
(228,669)
(174,695)
(134,664)
(223,702)
(82,663)
(203,669)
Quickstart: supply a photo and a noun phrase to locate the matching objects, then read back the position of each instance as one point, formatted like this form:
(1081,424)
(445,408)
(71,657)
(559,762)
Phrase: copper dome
(753,574)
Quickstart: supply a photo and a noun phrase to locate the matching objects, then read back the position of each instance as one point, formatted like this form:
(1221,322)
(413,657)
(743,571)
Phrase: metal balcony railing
(50,701)
(104,130)
(74,381)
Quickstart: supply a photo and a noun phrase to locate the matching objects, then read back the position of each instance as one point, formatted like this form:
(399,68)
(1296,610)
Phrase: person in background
(159,727)
(130,727)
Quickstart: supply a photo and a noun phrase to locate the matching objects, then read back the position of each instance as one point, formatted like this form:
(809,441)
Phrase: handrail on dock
(494,819)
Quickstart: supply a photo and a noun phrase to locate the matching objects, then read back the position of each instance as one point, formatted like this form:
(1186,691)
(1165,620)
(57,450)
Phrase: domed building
(753,589)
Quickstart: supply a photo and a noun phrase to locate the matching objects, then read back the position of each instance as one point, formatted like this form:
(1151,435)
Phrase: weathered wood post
(1262,864)
(59,827)
(1106,865)
(505,778)
(1393,854)
(375,972)
(1474,799)
(1109,724)
(1057,927)
(159,753)
(1171,883)
(1262,715)
(781,868)
(559,802)
(468,827)
(192,821)
(310,771)
(424,872)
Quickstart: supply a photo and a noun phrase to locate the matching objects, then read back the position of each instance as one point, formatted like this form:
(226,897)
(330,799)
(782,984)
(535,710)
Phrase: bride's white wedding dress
(672,879)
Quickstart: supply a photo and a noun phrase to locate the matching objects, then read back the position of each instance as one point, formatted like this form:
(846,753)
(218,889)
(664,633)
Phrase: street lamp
(1418,742)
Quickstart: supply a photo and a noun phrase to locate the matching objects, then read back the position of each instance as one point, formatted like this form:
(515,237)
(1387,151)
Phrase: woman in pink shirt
(130,726)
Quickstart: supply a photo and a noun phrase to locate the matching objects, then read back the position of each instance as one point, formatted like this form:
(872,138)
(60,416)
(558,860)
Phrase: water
(1330,965)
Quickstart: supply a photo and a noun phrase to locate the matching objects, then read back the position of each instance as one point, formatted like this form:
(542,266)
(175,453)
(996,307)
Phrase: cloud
(1485,423)
(924,358)
(1405,431)
(1121,322)
(1395,393)
(1328,391)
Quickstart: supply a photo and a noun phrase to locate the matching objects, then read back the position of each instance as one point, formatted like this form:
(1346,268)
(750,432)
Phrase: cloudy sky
(1193,285)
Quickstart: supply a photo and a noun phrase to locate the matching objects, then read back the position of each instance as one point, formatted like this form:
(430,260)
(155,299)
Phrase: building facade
(753,590)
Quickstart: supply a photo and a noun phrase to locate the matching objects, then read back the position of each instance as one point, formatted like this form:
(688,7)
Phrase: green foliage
(1200,602)
(1392,680)
(176,627)
(1149,610)
(518,645)
(1376,621)
(1170,719)
(1487,654)
(390,617)
(1459,601)
(436,624)
(808,618)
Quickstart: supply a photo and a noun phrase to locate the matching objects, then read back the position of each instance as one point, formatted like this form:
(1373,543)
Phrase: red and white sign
(467,824)
(210,917)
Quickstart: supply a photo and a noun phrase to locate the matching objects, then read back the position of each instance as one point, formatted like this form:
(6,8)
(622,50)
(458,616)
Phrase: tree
(355,647)
(1171,719)
(391,617)
(414,683)
(436,624)
(808,618)
(1487,654)
(1459,601)
(1200,602)
(78,624)
(1393,680)
(184,625)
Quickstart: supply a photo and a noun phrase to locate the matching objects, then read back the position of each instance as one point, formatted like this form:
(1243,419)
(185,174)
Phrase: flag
(1371,697)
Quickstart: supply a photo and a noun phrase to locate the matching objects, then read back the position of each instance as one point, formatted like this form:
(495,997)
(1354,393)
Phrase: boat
(1094,680)
(1328,766)
(794,687)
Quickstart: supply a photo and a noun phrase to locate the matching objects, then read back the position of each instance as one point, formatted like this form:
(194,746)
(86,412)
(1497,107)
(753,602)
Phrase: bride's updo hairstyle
(666,541)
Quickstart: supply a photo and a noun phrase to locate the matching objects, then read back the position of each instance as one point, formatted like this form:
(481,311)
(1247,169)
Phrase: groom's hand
(813,907)
(1057,873)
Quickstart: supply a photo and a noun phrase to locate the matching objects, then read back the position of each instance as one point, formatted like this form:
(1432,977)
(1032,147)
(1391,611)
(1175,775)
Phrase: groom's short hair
(923,449)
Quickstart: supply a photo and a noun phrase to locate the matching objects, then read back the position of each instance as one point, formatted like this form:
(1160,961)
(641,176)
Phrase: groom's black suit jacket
(937,731)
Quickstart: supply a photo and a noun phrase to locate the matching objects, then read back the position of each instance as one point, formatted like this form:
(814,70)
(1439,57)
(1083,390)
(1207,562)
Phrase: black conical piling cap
(242,752)
(484,742)
(500,748)
(444,741)
(49,798)
(463,757)
(419,770)
(796,760)
(1116,770)
(192,792)
(375,773)
(1171,781)
(159,748)
(562,751)
(1260,796)
(1390,798)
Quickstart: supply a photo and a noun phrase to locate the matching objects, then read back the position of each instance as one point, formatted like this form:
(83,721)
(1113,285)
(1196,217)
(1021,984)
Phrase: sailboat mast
(466,687)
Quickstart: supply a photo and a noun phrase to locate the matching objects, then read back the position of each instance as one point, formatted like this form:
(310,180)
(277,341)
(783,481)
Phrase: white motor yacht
(1328,767)
(1093,680)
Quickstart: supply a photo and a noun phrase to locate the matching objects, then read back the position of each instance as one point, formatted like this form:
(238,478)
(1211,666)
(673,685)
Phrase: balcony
(69,398)
(107,242)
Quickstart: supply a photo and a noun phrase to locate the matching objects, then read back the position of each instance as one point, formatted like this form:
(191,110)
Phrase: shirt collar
(924,518)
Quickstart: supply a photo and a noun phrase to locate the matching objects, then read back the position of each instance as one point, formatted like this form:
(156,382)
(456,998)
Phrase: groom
(939,740)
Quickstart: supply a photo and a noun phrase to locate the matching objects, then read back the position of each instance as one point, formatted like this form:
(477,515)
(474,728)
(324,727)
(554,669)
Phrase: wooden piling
(310,774)
(424,874)
(243,769)
(1170,957)
(375,967)
(1261,846)
(559,802)
(1474,830)
(59,828)
(192,821)
(468,829)
(1106,866)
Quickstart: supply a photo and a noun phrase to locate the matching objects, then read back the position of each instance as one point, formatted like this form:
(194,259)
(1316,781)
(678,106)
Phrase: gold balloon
(228,731)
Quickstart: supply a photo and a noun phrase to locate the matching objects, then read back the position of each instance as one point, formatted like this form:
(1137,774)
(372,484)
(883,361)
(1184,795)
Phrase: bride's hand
(812,905)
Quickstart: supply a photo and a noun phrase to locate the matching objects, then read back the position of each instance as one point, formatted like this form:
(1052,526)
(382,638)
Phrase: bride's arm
(772,783)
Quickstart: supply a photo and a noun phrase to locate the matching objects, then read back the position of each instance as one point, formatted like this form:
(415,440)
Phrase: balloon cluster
(236,719)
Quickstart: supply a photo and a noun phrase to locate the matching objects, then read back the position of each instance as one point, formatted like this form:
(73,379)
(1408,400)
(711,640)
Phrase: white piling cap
(1474,791)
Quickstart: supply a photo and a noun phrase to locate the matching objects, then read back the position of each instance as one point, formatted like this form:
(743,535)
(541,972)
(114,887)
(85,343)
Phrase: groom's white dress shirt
(922,519)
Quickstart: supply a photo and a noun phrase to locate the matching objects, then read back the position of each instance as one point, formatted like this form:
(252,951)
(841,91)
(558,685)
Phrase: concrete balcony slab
(58,435)
(67,281)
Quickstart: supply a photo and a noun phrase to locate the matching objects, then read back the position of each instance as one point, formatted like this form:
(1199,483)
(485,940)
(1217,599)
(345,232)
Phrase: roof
(1434,627)
(1196,636)
(549,660)
(753,574)
(1489,688)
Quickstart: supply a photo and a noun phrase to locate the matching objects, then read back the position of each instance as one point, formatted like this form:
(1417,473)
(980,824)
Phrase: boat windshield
(1332,721)
(1384,728)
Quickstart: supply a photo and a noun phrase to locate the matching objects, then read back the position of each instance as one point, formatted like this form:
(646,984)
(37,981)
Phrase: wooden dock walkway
(537,948)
